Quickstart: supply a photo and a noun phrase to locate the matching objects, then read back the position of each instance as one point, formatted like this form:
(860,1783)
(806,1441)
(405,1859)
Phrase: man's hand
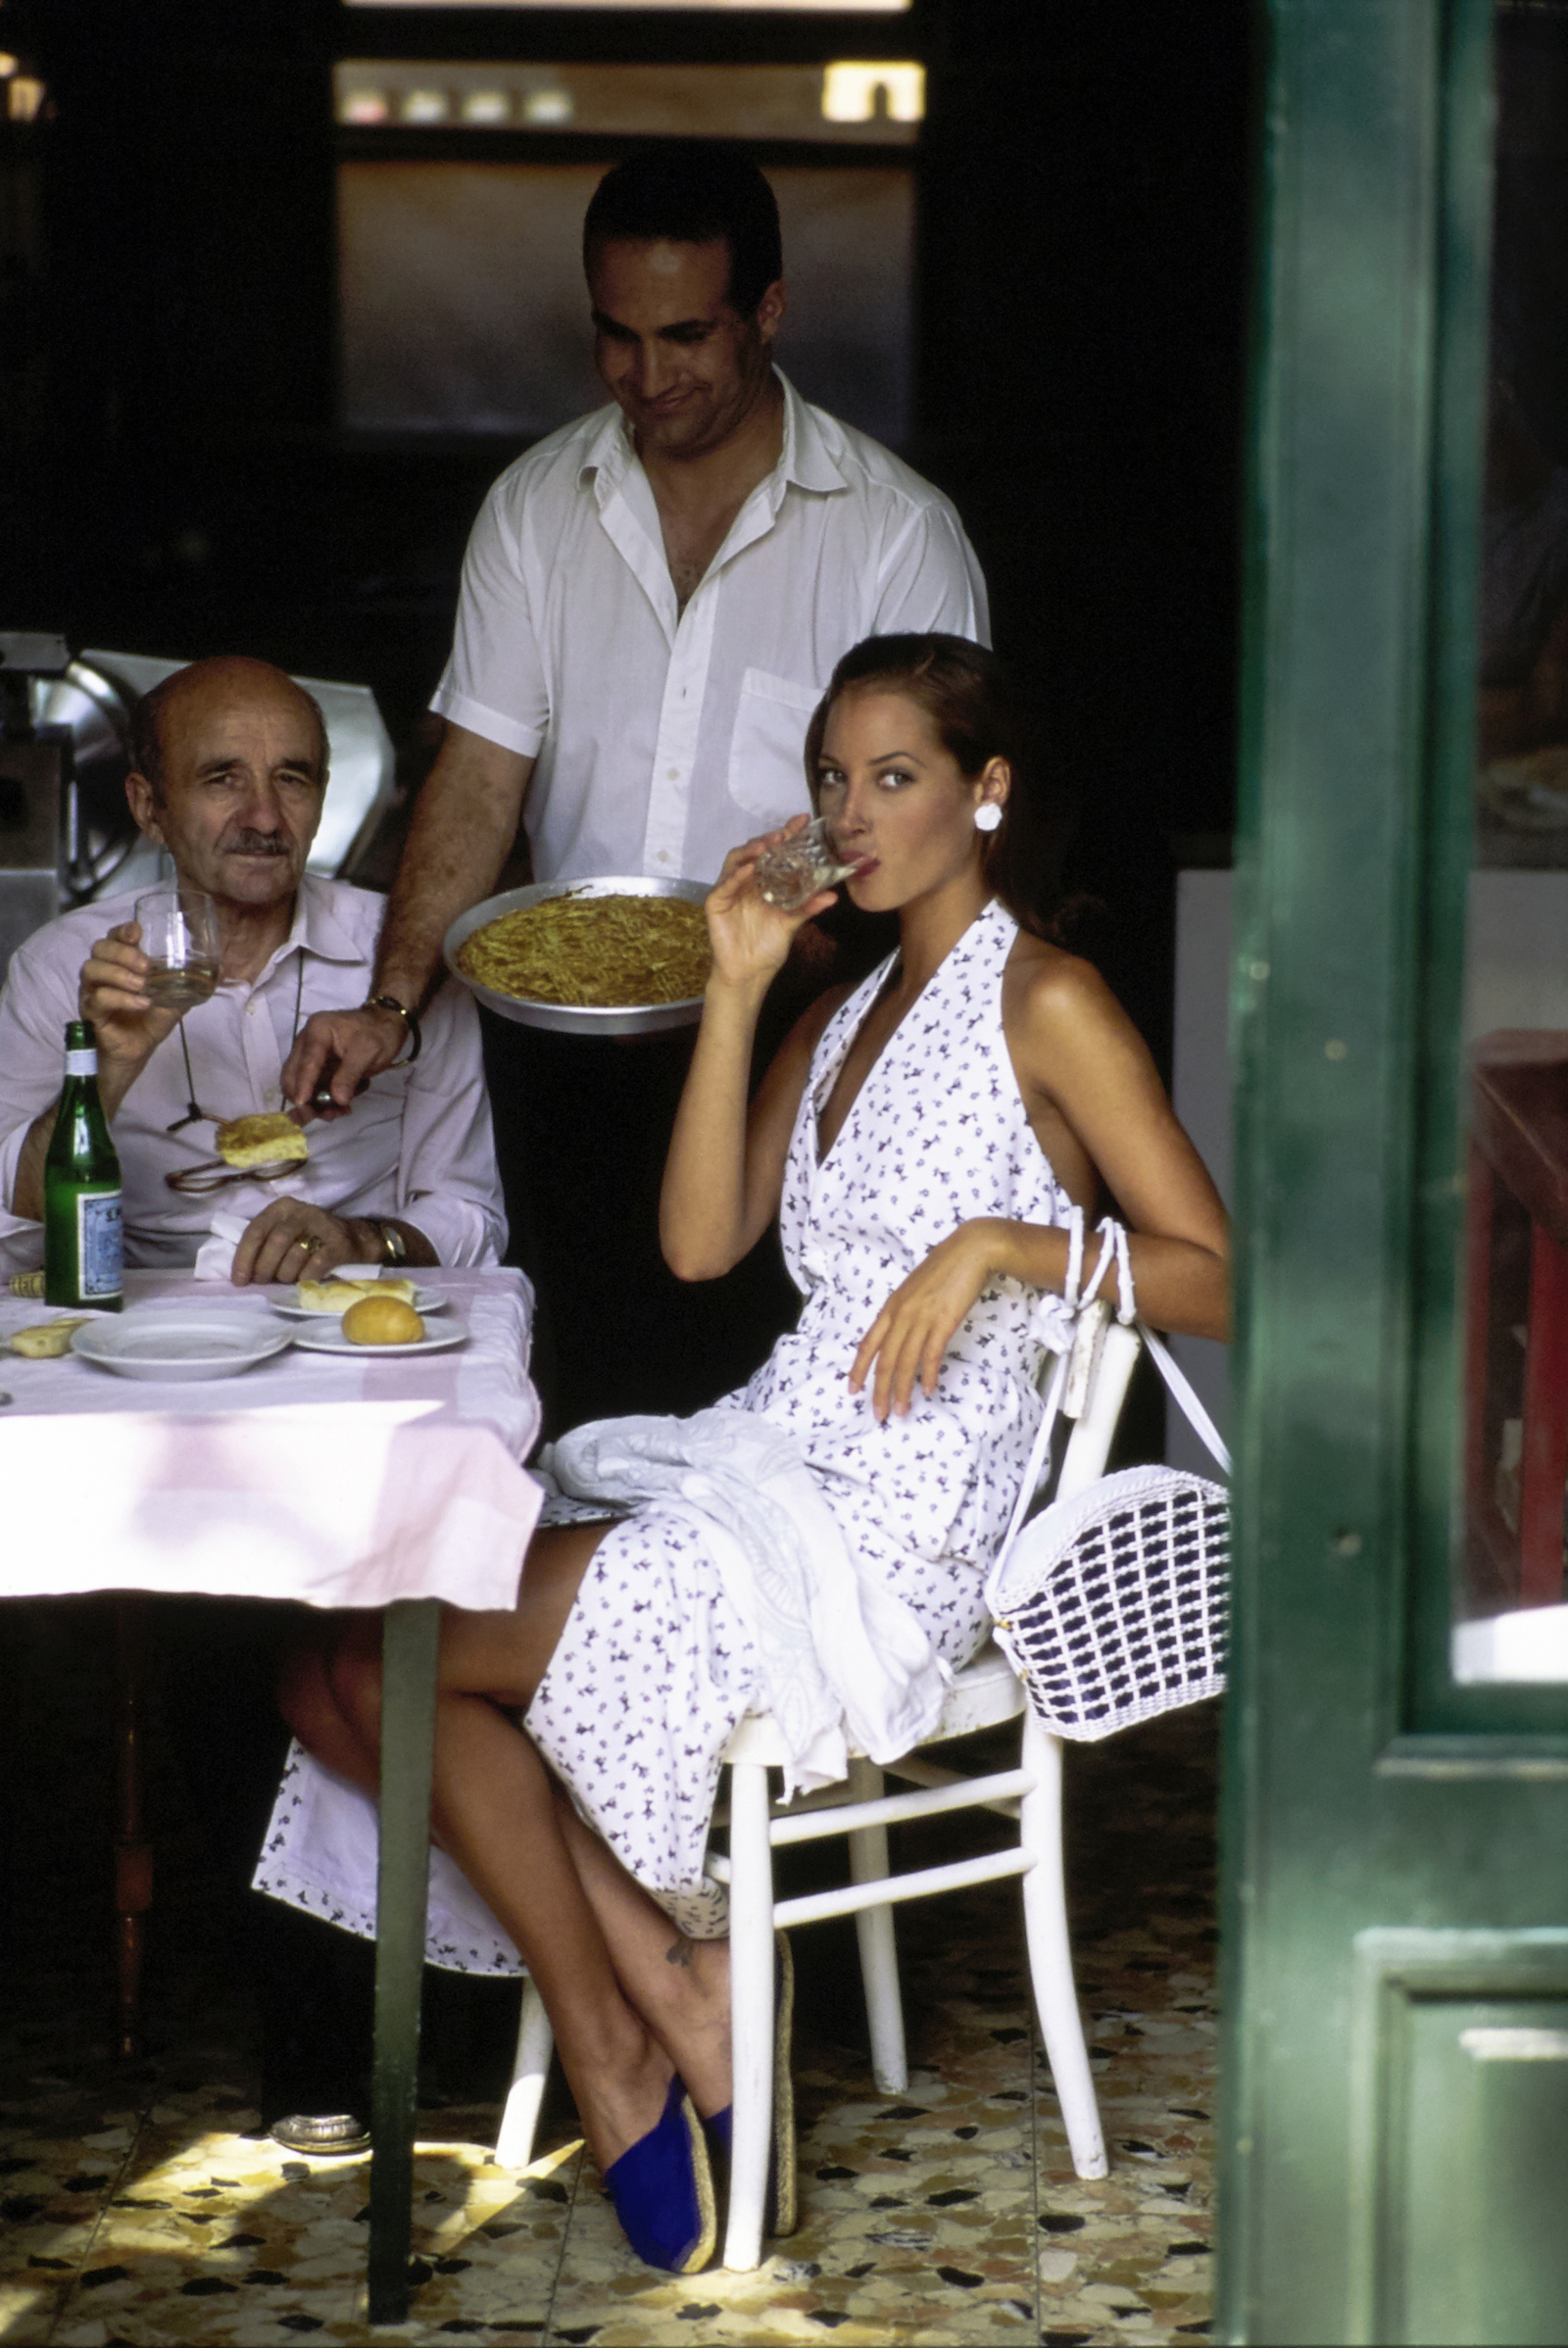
(916,1325)
(464,821)
(292,1240)
(343,1049)
(112,993)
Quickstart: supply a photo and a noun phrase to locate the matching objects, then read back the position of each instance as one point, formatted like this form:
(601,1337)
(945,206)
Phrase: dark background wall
(171,478)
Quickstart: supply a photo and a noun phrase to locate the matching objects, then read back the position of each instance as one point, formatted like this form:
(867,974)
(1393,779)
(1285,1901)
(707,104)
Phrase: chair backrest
(1110,1371)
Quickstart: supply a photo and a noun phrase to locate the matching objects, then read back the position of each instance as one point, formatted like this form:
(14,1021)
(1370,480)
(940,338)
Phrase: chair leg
(529,2070)
(879,1956)
(1045,1911)
(751,1960)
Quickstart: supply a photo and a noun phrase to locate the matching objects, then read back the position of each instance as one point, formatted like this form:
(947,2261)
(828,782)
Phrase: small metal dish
(571,1019)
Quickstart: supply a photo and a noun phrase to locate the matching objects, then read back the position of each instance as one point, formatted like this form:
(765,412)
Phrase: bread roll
(45,1341)
(260,1140)
(383,1321)
(336,1296)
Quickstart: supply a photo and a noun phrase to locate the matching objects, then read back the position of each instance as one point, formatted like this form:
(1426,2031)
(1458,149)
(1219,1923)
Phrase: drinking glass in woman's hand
(801,866)
(179,938)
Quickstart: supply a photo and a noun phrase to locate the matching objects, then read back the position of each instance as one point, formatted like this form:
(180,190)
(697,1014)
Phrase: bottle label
(100,1246)
(82,1063)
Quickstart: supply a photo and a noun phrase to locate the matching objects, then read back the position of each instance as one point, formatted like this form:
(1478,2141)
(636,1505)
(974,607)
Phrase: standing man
(652,603)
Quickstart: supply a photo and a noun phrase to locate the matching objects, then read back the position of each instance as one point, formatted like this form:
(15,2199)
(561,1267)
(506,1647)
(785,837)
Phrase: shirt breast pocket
(766,767)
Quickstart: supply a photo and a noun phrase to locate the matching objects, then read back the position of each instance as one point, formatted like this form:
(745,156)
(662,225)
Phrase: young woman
(925,1140)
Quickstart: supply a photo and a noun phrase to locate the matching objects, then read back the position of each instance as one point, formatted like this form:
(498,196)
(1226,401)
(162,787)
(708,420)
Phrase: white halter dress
(656,1666)
(659,1662)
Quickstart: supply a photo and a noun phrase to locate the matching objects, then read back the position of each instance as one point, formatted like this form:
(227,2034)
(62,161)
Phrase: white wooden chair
(985,1693)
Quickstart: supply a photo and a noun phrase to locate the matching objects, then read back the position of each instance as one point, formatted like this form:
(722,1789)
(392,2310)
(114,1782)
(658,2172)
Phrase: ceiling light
(363,106)
(548,105)
(486,106)
(25,98)
(850,92)
(425,106)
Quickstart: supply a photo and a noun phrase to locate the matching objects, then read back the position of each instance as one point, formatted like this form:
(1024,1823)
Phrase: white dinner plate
(174,1341)
(326,1337)
(426,1300)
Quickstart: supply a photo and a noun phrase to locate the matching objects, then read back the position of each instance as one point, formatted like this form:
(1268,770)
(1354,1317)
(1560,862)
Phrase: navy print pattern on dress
(655,1670)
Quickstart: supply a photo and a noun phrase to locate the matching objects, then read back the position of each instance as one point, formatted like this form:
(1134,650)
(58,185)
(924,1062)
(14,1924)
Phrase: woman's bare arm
(725,1169)
(1084,1067)
(1101,1115)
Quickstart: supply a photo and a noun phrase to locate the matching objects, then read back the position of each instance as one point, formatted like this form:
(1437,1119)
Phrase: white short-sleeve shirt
(662,738)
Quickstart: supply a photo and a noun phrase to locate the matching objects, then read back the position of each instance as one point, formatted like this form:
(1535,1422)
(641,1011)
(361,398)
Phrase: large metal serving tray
(576,1019)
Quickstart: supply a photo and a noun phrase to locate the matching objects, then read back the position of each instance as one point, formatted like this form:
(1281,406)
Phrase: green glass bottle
(82,1241)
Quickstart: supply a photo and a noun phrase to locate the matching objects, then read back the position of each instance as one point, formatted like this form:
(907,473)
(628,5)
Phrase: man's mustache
(255,844)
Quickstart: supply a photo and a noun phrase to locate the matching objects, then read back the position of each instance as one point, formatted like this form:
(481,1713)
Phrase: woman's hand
(915,1326)
(752,938)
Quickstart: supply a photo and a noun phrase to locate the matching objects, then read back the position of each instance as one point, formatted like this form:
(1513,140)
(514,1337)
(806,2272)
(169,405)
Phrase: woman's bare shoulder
(1052,991)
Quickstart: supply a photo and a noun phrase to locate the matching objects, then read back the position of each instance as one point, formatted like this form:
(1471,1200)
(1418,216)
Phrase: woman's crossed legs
(630,1999)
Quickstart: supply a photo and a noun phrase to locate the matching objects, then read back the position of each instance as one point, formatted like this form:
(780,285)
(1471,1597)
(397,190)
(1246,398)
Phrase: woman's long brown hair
(966,693)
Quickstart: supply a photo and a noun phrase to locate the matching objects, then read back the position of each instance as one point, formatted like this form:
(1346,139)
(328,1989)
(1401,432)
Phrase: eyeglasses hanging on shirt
(216,1174)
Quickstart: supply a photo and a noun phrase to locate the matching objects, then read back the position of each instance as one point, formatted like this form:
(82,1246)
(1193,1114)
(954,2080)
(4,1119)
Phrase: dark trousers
(216,1662)
(582,1129)
(582,1132)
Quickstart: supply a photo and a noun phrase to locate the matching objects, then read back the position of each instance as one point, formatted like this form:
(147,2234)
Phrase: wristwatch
(410,1019)
(394,1247)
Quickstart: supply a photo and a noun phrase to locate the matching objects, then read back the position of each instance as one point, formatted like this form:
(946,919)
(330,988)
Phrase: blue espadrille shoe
(663,2190)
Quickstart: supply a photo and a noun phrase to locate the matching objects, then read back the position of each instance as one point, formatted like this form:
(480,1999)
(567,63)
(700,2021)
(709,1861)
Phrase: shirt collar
(806,457)
(315,929)
(609,455)
(805,460)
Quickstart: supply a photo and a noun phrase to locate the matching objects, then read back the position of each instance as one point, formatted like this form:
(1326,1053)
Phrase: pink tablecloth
(336,1482)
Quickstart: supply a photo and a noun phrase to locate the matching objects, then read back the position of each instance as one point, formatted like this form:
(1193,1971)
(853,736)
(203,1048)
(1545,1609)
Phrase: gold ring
(309,1246)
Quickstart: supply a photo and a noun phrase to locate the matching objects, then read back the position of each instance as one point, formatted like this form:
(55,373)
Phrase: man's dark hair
(147,722)
(693,192)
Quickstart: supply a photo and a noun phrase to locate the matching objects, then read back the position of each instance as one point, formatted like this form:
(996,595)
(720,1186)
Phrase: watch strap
(394,1247)
(410,1019)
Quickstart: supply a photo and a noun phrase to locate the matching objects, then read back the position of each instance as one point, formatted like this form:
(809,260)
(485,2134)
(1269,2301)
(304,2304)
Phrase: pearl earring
(988,816)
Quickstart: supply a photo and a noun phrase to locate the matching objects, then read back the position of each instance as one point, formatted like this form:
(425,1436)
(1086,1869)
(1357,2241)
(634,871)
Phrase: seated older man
(230,773)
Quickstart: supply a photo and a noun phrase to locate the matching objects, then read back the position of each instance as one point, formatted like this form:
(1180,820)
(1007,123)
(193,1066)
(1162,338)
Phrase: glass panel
(879,102)
(1512,1620)
(463,310)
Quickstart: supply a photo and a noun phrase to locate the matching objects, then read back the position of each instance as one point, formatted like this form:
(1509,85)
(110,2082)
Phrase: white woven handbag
(1111,1607)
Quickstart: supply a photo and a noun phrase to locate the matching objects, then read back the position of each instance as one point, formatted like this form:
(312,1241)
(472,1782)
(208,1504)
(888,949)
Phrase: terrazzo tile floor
(137,2209)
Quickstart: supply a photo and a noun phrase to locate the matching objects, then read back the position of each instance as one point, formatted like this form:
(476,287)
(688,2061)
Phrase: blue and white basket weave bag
(1111,1607)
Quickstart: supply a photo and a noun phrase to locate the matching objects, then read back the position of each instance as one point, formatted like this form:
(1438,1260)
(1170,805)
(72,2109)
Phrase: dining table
(351,1478)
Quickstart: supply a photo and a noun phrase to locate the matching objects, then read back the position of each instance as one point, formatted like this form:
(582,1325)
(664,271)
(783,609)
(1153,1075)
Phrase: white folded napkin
(215,1258)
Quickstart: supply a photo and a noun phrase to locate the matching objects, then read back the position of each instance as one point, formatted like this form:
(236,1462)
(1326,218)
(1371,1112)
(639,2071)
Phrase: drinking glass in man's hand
(179,938)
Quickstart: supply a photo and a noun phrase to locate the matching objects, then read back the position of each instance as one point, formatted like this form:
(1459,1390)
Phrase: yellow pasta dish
(597,953)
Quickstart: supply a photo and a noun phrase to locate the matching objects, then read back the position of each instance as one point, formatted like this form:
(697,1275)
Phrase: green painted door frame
(1395,1850)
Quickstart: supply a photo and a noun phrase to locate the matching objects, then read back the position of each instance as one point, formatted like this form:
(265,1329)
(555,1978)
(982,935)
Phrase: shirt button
(672,774)
(664,855)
